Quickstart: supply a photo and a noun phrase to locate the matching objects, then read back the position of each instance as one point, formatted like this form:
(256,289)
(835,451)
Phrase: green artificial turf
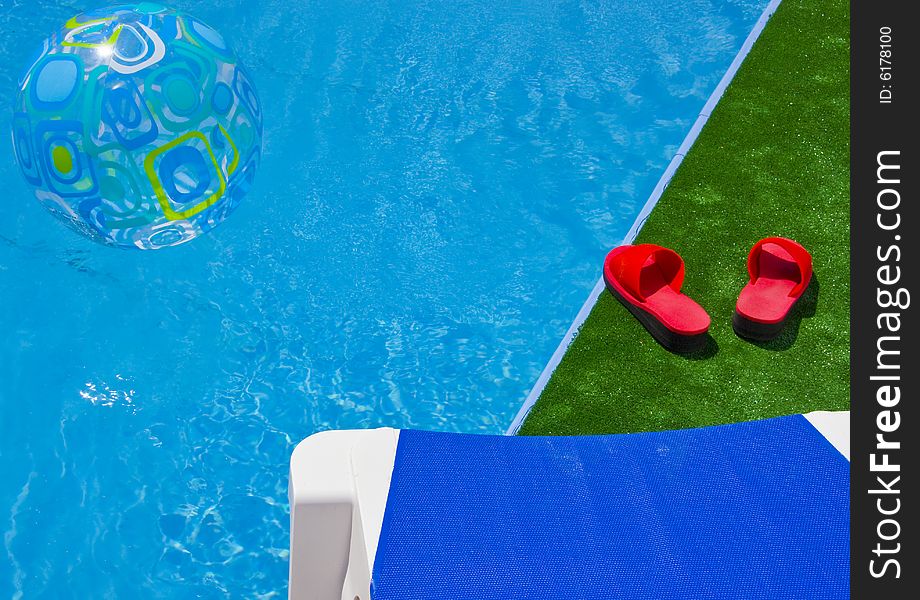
(772,160)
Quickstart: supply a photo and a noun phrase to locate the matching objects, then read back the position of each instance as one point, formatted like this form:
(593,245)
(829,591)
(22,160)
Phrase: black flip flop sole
(675,342)
(758,332)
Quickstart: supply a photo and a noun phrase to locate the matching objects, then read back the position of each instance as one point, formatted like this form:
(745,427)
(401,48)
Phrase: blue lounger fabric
(750,510)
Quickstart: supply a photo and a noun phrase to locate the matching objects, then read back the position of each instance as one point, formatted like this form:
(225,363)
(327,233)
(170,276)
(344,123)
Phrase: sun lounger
(750,510)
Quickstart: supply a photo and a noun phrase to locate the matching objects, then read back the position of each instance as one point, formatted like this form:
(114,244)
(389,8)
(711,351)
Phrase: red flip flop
(780,271)
(646,279)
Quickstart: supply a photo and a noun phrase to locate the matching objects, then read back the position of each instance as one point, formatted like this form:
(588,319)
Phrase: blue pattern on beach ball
(137,126)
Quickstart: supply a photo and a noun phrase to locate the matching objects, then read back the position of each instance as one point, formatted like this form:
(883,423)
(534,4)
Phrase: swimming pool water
(440,182)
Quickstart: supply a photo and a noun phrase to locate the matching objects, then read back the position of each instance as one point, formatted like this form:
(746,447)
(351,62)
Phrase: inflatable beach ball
(138,126)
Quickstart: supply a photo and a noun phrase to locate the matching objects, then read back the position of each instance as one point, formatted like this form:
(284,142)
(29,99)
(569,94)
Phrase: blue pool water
(439,184)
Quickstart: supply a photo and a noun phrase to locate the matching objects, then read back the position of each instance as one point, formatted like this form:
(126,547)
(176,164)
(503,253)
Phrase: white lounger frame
(338,492)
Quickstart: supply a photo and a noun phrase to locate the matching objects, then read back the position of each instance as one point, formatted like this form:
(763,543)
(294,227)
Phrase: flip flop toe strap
(799,254)
(628,269)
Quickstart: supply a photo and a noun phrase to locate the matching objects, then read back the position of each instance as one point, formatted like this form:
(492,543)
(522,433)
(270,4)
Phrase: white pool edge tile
(643,215)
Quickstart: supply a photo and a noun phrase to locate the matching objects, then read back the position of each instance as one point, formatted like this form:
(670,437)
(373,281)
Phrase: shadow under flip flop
(710,349)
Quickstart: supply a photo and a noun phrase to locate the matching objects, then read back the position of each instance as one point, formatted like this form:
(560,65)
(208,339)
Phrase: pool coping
(643,215)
